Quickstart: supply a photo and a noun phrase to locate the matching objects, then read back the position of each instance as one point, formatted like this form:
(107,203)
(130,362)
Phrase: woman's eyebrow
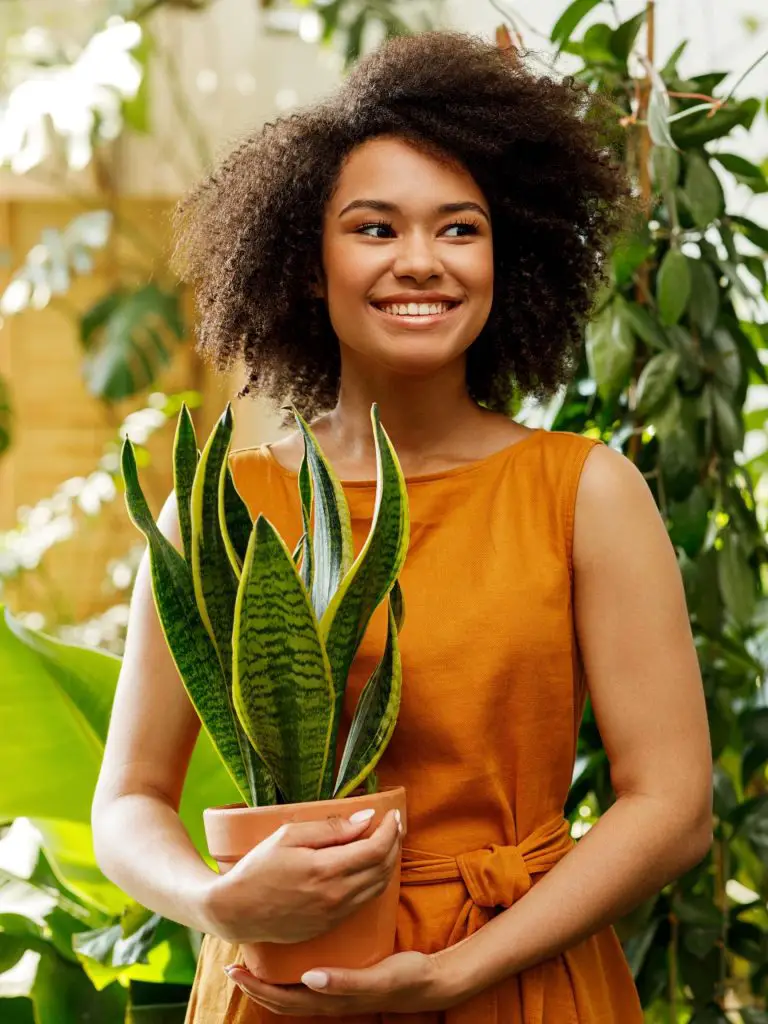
(385,207)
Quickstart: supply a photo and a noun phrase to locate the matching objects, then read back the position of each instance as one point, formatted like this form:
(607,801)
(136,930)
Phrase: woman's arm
(295,885)
(139,841)
(646,691)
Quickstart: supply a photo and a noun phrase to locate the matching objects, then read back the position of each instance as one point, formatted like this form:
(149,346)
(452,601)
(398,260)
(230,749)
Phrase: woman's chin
(418,356)
(418,364)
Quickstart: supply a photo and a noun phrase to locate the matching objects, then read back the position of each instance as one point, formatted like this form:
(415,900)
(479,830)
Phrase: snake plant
(264,637)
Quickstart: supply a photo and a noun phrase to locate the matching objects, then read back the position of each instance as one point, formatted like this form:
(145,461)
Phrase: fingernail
(359,816)
(399,821)
(317,979)
(230,969)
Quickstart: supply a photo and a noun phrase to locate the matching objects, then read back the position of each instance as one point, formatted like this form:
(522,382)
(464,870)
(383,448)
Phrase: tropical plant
(674,375)
(694,421)
(263,638)
(95,947)
(132,331)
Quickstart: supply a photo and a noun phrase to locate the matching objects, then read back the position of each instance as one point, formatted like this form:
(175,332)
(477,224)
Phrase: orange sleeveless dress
(486,737)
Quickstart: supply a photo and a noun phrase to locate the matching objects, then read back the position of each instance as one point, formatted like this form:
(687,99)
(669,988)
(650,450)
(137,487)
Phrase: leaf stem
(749,71)
(514,18)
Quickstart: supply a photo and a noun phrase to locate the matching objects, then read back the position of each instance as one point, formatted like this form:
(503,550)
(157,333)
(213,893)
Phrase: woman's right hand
(303,879)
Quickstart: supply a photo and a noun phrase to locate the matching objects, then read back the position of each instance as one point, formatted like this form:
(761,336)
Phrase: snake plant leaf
(235,520)
(215,583)
(398,605)
(214,577)
(282,685)
(189,643)
(305,493)
(377,710)
(185,459)
(332,535)
(298,551)
(374,571)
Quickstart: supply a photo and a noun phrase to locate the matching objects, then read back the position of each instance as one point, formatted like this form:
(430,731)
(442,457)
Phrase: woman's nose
(417,257)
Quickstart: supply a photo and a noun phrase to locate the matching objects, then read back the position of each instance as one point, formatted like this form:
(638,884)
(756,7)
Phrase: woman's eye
(378,226)
(467,228)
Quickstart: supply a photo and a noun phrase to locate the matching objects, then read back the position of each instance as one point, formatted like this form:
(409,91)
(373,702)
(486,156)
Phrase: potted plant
(263,639)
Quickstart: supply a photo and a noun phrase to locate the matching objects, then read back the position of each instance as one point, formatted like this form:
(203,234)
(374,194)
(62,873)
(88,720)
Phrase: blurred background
(109,111)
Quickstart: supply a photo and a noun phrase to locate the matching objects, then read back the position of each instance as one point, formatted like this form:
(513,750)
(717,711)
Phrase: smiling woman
(509,153)
(430,239)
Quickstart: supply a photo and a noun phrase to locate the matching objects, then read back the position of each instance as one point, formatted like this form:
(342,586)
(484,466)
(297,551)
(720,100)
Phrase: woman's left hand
(403,983)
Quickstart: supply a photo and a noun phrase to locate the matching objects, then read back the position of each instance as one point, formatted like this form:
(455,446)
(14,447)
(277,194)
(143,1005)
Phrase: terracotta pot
(364,938)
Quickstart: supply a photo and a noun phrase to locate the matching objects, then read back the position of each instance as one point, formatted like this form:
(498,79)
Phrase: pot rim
(242,809)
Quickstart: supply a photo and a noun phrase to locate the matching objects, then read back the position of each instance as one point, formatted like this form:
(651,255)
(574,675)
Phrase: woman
(431,238)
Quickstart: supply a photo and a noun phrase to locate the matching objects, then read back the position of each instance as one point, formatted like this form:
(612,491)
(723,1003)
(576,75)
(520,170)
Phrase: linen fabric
(486,737)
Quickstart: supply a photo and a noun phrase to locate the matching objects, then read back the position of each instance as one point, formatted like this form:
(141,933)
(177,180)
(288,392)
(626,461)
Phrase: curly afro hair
(249,235)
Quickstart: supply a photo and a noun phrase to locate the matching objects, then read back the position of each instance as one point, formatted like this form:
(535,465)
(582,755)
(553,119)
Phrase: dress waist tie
(495,878)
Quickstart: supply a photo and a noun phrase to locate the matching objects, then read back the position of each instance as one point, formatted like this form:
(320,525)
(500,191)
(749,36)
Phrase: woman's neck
(420,415)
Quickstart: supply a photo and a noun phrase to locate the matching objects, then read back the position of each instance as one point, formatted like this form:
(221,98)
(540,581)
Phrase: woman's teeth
(418,309)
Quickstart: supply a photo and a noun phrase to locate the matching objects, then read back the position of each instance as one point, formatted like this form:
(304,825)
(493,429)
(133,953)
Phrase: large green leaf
(215,581)
(56,700)
(374,571)
(214,578)
(282,683)
(596,45)
(645,326)
(706,126)
(611,348)
(235,521)
(307,545)
(50,919)
(190,645)
(659,111)
(704,302)
(757,234)
(570,19)
(690,521)
(623,38)
(332,537)
(656,381)
(729,433)
(63,994)
(377,709)
(702,191)
(125,337)
(673,286)
(737,582)
(157,950)
(745,172)
(725,361)
(185,459)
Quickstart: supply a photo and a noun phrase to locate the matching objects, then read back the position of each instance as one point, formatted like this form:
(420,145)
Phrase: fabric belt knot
(495,877)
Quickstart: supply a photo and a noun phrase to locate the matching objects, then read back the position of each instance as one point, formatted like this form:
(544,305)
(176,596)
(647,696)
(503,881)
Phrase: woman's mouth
(416,314)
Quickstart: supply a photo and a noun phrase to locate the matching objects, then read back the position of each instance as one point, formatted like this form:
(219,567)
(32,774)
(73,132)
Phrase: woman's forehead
(396,170)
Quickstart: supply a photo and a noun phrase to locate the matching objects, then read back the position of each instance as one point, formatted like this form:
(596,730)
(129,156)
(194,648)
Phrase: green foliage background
(674,358)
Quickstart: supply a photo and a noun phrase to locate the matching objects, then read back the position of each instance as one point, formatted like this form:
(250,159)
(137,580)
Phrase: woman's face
(390,240)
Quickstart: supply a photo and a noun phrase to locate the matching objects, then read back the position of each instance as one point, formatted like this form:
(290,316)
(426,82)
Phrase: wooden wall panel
(60,429)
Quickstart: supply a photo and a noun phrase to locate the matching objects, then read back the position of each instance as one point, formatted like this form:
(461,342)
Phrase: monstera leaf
(128,338)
